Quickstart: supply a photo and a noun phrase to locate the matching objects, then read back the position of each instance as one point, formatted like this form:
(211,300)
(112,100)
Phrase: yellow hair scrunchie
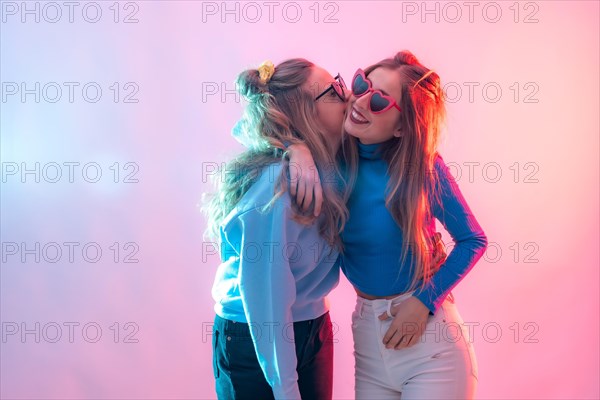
(266,71)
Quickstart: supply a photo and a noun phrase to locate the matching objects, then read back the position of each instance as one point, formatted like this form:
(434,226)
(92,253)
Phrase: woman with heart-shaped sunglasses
(410,341)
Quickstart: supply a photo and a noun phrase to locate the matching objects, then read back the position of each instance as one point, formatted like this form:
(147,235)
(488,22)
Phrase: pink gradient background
(173,133)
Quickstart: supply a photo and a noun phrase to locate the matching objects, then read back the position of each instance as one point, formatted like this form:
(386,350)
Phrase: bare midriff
(370,297)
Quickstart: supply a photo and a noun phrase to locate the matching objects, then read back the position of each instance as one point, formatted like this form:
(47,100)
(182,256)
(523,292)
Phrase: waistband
(385,305)
(380,305)
(231,324)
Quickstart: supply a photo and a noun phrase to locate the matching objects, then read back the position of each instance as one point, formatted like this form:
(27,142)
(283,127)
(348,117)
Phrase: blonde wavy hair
(278,111)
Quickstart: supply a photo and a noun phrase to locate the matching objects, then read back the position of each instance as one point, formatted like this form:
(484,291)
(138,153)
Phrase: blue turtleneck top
(373,240)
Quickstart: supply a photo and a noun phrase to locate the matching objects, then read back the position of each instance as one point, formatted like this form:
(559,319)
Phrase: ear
(398,128)
(398,132)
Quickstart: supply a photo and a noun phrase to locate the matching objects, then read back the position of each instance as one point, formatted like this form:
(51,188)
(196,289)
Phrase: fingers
(309,190)
(306,187)
(298,185)
(293,169)
(301,192)
(318,195)
(313,187)
(398,340)
(413,340)
(401,336)
(406,341)
(308,198)
(439,255)
(390,334)
(293,187)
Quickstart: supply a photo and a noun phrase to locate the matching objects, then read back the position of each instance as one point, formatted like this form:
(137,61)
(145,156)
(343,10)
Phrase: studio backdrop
(116,114)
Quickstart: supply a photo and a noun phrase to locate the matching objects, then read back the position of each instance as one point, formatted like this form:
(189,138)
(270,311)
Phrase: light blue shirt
(274,272)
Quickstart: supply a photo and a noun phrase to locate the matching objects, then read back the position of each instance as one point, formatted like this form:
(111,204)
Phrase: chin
(351,130)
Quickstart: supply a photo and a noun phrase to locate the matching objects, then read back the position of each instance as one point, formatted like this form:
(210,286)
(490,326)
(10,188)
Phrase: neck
(369,150)
(334,143)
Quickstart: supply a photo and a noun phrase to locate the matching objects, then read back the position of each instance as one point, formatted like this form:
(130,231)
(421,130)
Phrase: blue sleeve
(469,239)
(268,291)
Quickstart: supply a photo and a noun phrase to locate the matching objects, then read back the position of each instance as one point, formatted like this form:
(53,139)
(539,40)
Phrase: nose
(362,102)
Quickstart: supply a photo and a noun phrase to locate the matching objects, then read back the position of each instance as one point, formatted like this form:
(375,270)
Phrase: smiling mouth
(357,117)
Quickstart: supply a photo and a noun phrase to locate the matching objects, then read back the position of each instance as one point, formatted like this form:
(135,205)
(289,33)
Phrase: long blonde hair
(278,111)
(410,158)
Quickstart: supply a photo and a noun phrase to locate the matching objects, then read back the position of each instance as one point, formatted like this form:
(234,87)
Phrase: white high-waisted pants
(441,365)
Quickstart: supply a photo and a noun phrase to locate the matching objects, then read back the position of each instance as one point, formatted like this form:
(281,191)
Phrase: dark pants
(238,374)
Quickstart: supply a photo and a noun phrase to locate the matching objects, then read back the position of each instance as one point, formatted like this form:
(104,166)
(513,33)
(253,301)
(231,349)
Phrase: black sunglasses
(337,86)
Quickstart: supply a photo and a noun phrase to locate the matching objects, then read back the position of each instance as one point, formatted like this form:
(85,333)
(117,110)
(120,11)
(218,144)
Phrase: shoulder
(261,193)
(438,161)
(441,169)
(444,184)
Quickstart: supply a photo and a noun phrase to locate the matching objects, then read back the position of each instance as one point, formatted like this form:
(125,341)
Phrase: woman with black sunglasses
(409,339)
(272,334)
